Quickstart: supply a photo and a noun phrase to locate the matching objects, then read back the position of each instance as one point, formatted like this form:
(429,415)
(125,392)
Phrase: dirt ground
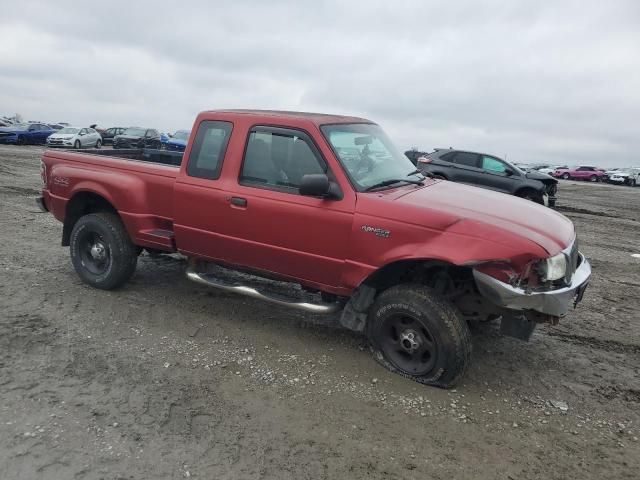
(168,379)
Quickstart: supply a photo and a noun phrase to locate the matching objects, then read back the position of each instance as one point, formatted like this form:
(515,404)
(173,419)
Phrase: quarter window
(279,158)
(209,147)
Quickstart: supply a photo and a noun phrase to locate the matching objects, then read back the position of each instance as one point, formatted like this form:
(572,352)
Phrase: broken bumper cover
(550,302)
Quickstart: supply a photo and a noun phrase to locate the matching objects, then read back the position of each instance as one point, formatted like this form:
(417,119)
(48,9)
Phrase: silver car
(75,137)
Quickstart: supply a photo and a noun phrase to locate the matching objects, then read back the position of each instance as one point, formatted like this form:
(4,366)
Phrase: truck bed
(136,182)
(164,157)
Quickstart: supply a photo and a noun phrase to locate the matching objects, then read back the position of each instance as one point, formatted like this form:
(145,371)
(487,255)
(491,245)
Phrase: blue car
(26,133)
(178,142)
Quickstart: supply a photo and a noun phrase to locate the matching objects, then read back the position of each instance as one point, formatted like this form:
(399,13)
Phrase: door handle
(238,201)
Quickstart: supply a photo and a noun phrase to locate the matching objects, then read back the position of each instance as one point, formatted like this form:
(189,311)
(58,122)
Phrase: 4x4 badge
(380,232)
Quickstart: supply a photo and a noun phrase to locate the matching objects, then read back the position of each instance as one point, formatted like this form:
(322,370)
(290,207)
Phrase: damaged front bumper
(555,303)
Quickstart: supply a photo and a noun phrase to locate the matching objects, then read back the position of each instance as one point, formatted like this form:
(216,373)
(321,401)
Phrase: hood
(11,130)
(443,204)
(63,136)
(176,141)
(619,174)
(543,177)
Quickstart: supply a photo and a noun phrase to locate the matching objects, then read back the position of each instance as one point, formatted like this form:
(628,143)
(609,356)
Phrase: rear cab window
(208,150)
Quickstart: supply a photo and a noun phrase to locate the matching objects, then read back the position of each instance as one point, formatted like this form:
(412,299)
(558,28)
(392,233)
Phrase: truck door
(277,229)
(466,168)
(496,176)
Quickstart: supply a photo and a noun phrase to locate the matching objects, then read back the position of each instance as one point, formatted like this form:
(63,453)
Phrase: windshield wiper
(424,174)
(386,183)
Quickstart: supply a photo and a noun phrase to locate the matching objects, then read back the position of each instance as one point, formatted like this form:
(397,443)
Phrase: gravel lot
(168,379)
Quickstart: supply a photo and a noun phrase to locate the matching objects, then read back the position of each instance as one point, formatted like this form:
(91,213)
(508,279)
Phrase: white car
(629,176)
(550,170)
(75,137)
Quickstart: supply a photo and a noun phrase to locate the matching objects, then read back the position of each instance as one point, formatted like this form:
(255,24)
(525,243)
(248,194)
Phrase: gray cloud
(554,82)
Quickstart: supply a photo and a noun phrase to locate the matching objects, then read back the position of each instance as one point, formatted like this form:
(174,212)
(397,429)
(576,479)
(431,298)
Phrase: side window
(279,158)
(492,164)
(448,157)
(209,146)
(466,158)
(83,131)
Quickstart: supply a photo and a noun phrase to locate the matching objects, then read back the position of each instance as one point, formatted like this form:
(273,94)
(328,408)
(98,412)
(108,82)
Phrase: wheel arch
(83,202)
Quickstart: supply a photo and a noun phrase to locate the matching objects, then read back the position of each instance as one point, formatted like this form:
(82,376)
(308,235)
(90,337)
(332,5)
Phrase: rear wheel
(593,178)
(98,143)
(632,182)
(101,251)
(417,333)
(565,176)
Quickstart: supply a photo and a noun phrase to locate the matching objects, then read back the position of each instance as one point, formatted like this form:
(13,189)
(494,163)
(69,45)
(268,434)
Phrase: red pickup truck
(322,213)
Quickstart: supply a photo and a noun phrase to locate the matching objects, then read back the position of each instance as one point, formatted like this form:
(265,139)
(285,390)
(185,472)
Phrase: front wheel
(77,145)
(101,251)
(593,178)
(417,333)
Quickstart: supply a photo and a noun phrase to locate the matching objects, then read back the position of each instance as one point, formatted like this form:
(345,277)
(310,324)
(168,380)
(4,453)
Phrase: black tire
(21,140)
(529,194)
(114,258)
(77,145)
(439,342)
(98,144)
(439,176)
(566,176)
(632,182)
(593,178)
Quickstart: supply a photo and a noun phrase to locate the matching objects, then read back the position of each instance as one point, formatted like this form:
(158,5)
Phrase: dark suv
(138,137)
(109,134)
(486,171)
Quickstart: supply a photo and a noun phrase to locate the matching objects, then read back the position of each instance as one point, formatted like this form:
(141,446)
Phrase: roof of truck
(317,118)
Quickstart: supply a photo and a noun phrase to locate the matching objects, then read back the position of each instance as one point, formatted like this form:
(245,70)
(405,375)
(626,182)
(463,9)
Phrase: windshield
(68,130)
(135,132)
(367,154)
(181,135)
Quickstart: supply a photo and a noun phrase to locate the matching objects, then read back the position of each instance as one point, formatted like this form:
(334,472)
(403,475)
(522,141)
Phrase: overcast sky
(549,82)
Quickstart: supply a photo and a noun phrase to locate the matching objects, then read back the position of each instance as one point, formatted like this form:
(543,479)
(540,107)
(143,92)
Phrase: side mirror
(508,172)
(314,185)
(318,185)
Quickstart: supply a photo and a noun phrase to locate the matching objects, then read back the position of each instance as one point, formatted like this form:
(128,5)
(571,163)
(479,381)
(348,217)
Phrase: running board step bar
(213,281)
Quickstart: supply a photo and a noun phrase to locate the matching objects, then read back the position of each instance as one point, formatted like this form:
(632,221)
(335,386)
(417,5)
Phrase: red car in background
(593,174)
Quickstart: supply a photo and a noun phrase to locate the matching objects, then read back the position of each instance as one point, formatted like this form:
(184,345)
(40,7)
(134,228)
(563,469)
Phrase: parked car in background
(26,133)
(75,137)
(490,172)
(110,133)
(592,174)
(625,176)
(549,170)
(178,141)
(138,137)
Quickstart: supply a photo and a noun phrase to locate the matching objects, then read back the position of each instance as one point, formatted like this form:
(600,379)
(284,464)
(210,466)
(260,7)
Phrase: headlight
(554,268)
